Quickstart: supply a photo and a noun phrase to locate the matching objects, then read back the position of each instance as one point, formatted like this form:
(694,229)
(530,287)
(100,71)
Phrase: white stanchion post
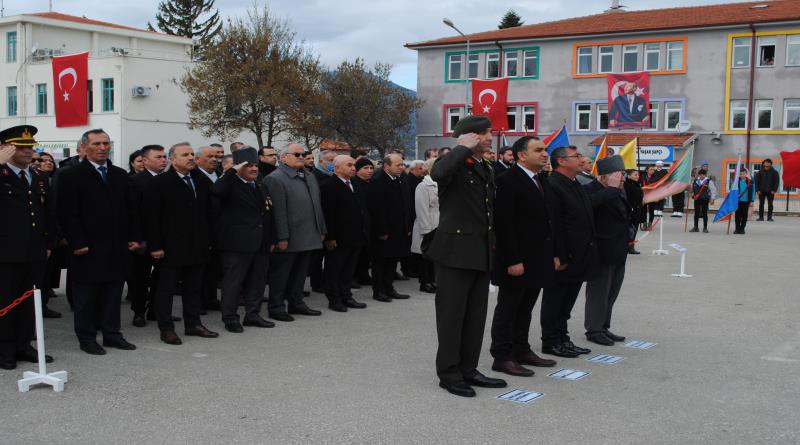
(29,378)
(682,250)
(660,250)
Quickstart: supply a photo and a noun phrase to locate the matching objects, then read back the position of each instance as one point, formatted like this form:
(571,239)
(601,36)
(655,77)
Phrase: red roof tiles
(83,20)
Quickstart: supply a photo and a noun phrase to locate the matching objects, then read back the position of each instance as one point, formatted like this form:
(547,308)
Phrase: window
(108,94)
(454,67)
(473,65)
(585,60)
(766,51)
(11,47)
(763,114)
(583,113)
(602,117)
(511,60)
(11,98)
(653,115)
(672,115)
(529,63)
(512,118)
(630,58)
(793,50)
(741,52)
(492,65)
(652,56)
(529,118)
(41,98)
(453,116)
(606,64)
(674,55)
(738,115)
(791,114)
(89,96)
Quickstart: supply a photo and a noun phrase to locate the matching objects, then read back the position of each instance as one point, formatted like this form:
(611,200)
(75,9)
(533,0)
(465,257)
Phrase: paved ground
(725,369)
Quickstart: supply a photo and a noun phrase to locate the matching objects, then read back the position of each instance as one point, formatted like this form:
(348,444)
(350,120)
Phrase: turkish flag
(791,169)
(489,98)
(70,78)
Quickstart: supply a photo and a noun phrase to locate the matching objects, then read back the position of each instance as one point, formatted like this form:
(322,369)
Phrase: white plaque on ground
(520,396)
(639,344)
(608,359)
(568,374)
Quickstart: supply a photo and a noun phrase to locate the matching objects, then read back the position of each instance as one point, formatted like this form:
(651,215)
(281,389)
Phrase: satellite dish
(683,126)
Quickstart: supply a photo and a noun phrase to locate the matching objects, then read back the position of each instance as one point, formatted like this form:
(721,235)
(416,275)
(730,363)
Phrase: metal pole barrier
(683,251)
(660,250)
(29,378)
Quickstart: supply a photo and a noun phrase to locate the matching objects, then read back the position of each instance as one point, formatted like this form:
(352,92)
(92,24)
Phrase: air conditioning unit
(140,91)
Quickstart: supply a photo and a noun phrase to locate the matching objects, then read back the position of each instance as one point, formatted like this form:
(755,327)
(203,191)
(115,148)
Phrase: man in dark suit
(322,171)
(504,161)
(572,220)
(345,217)
(267,162)
(416,172)
(245,241)
(628,108)
(462,253)
(524,257)
(26,239)
(98,218)
(143,276)
(390,227)
(364,171)
(178,235)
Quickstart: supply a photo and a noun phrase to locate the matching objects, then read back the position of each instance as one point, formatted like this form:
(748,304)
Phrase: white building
(134,82)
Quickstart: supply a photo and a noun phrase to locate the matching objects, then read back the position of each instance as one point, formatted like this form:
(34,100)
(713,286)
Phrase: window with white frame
(473,65)
(492,65)
(606,62)
(583,116)
(791,114)
(653,116)
(528,118)
(453,116)
(793,50)
(602,117)
(741,52)
(672,115)
(529,61)
(511,112)
(511,64)
(630,58)
(11,46)
(674,55)
(766,51)
(455,66)
(585,60)
(652,56)
(763,114)
(738,115)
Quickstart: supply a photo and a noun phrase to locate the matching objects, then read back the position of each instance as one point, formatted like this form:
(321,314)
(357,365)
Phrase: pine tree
(510,20)
(183,18)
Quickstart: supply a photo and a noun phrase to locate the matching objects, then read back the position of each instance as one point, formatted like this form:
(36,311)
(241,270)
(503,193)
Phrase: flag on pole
(676,180)
(489,99)
(70,74)
(601,153)
(628,153)
(731,202)
(559,138)
(505,141)
(791,169)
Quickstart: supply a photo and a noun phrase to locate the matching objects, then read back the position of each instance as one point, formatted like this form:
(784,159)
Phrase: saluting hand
(81,251)
(330,244)
(558,265)
(282,245)
(157,254)
(517,270)
(6,153)
(469,140)
(133,246)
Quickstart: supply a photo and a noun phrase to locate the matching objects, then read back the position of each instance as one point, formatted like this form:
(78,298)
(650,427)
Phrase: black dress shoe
(400,277)
(281,316)
(578,349)
(93,349)
(49,313)
(478,379)
(8,364)
(632,251)
(306,293)
(427,288)
(120,343)
(337,306)
(170,338)
(355,285)
(532,359)
(258,322)
(139,321)
(411,274)
(393,294)
(614,336)
(201,331)
(234,326)
(457,388)
(600,339)
(511,367)
(176,318)
(560,351)
(305,310)
(380,296)
(352,303)
(32,355)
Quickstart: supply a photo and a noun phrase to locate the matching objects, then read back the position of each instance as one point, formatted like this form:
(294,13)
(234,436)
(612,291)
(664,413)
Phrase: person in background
(505,161)
(219,152)
(46,167)
(322,171)
(443,151)
(267,162)
(767,182)
(135,163)
(585,176)
(431,153)
(364,171)
(647,179)
(308,161)
(658,172)
(546,169)
(227,162)
(235,146)
(426,205)
(747,192)
(206,160)
(416,172)
(704,192)
(633,191)
(490,157)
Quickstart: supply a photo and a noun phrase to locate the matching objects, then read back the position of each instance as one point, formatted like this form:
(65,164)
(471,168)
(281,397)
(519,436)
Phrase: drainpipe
(500,75)
(750,95)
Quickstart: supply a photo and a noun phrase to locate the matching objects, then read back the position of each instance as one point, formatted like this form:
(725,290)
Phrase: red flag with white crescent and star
(70,78)
(489,99)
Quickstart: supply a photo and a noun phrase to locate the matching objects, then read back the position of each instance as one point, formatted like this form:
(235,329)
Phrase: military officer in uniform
(26,242)
(461,250)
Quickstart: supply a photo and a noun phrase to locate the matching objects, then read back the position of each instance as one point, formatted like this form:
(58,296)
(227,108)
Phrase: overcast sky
(372,29)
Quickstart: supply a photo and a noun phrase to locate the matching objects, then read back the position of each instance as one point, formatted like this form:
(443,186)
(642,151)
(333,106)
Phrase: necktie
(188,180)
(252,185)
(347,183)
(103,172)
(301,175)
(538,185)
(24,176)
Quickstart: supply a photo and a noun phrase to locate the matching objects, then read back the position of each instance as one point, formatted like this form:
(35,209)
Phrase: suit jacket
(25,227)
(465,236)
(622,112)
(139,183)
(767,181)
(321,176)
(523,231)
(635,195)
(572,218)
(296,209)
(345,215)
(499,167)
(611,220)
(176,221)
(245,215)
(98,215)
(70,161)
(390,214)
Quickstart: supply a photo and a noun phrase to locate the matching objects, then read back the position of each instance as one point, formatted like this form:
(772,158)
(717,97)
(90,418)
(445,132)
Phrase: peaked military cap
(19,136)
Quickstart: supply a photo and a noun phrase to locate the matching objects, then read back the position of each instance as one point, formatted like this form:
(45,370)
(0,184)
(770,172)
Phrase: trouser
(362,267)
(761,197)
(97,303)
(461,301)
(601,293)
(512,321)
(427,272)
(340,264)
(16,327)
(244,274)
(678,202)
(142,283)
(557,304)
(287,274)
(315,270)
(741,215)
(632,235)
(383,273)
(211,278)
(701,211)
(652,207)
(410,265)
(190,278)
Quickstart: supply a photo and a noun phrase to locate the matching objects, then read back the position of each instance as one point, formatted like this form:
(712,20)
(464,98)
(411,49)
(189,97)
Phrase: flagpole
(638,157)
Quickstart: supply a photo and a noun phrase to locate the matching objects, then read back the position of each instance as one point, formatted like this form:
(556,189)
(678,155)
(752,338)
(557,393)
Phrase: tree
(510,20)
(252,78)
(366,109)
(183,18)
